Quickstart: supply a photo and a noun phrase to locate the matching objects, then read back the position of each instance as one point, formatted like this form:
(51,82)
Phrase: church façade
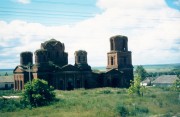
(51,64)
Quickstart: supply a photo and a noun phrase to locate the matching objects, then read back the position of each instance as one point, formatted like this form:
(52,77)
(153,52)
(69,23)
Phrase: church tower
(81,60)
(119,58)
(53,51)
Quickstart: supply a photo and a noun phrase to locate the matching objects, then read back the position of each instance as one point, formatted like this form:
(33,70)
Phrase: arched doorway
(115,82)
(61,85)
(78,83)
(108,82)
(70,84)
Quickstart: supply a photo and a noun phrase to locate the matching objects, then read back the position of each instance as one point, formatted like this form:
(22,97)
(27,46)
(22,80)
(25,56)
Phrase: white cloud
(24,1)
(151,26)
(177,2)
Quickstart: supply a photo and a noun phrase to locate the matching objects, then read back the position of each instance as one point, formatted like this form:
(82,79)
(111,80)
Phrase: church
(51,64)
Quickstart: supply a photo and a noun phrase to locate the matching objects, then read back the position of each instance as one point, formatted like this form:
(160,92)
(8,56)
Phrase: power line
(41,10)
(70,15)
(38,13)
(63,3)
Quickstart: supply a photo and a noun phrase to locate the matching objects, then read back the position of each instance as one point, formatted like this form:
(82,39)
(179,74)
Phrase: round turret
(26,58)
(41,56)
(119,43)
(81,60)
(80,57)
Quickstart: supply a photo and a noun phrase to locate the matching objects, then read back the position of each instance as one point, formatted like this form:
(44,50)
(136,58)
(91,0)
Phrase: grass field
(102,102)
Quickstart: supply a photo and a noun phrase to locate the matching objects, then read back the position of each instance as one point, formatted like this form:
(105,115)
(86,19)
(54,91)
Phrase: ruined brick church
(51,64)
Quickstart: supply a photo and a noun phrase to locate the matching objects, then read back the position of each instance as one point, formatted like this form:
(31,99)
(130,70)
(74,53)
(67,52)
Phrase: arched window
(112,45)
(112,60)
(57,54)
(48,54)
(108,60)
(124,45)
(84,59)
(44,58)
(79,59)
(125,60)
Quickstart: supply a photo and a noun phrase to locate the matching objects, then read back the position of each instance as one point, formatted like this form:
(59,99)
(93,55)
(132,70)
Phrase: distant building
(146,82)
(164,80)
(6,82)
(51,64)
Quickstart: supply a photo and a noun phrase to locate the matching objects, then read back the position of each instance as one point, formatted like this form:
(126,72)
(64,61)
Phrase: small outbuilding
(6,82)
(146,82)
(165,80)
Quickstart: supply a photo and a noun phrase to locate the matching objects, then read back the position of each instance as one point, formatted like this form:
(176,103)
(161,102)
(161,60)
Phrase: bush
(122,110)
(107,92)
(153,96)
(135,87)
(176,85)
(10,105)
(131,110)
(141,109)
(38,93)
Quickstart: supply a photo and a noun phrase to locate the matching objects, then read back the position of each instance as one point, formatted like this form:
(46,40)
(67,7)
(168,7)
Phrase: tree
(140,71)
(135,87)
(176,84)
(38,93)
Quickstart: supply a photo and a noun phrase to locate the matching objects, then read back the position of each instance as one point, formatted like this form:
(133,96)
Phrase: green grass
(102,102)
(9,93)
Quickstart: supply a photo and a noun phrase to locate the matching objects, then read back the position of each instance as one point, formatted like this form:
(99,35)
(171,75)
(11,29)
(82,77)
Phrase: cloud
(24,1)
(151,26)
(177,2)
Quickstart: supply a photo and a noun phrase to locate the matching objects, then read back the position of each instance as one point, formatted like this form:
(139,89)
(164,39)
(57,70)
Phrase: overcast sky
(152,28)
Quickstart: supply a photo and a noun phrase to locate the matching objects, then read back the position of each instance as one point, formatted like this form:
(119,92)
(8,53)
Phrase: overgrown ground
(102,102)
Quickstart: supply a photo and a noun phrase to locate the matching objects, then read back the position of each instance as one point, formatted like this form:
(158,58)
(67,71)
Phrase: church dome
(52,44)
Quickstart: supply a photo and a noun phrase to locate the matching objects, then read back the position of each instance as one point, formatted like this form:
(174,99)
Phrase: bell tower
(119,58)
(81,60)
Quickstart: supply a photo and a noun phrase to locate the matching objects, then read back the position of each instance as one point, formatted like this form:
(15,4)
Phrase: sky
(152,28)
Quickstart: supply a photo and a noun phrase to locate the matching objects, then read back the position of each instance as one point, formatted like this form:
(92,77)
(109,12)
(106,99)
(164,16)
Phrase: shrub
(38,93)
(153,96)
(135,87)
(107,92)
(141,109)
(10,105)
(122,110)
(84,93)
(119,92)
(176,85)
